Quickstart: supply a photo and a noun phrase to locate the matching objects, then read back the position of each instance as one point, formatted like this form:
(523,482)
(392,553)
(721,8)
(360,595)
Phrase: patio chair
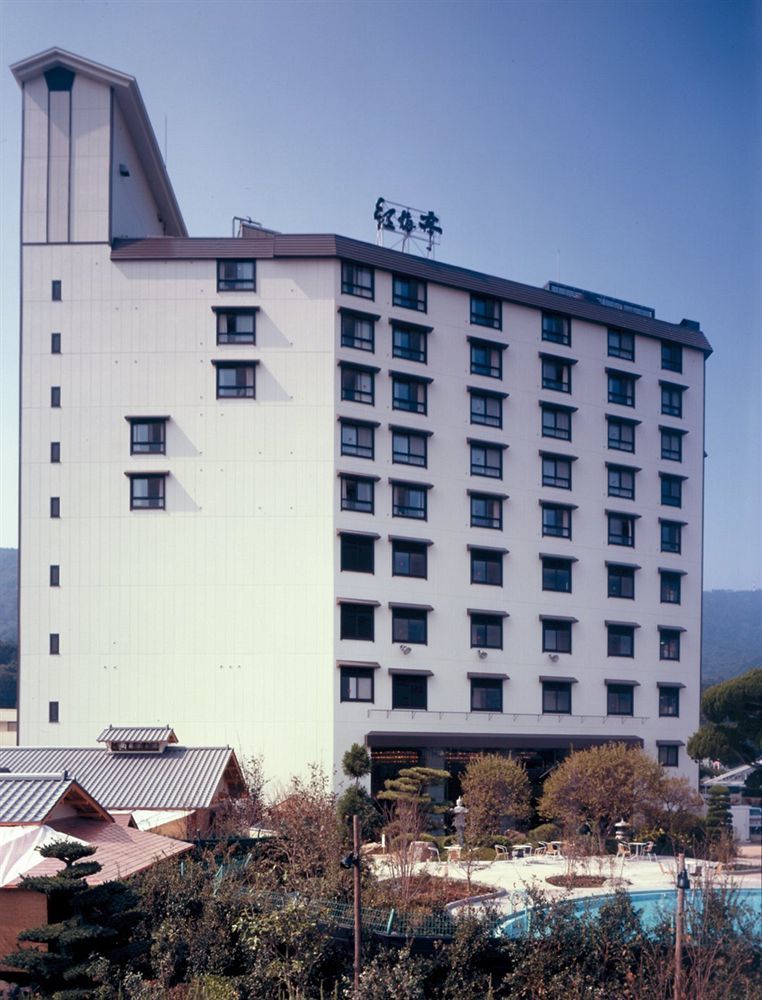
(542,848)
(502,852)
(552,851)
(623,851)
(648,851)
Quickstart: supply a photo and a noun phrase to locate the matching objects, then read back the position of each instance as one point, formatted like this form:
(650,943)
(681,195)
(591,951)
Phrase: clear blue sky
(622,138)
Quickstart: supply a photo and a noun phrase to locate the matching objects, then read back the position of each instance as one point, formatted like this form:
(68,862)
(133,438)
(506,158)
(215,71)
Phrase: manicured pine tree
(355,800)
(719,819)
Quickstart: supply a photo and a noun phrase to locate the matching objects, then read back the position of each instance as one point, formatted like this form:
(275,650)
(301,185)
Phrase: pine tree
(719,819)
(355,800)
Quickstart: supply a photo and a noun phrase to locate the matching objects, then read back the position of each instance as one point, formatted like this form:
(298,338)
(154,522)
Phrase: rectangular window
(671,490)
(556,697)
(670,585)
(55,343)
(357,494)
(409,558)
(147,436)
(52,711)
(486,695)
(235,380)
(621,481)
(408,394)
(409,501)
(669,644)
(409,293)
(621,530)
(671,445)
(621,434)
(671,536)
(669,702)
(671,356)
(486,511)
(621,345)
(556,636)
(668,755)
(358,332)
(55,451)
(236,326)
(556,423)
(620,699)
(357,439)
(236,275)
(409,691)
(357,684)
(357,621)
(409,448)
(556,471)
(556,329)
(357,280)
(672,399)
(556,521)
(409,625)
(556,374)
(486,311)
(55,576)
(357,553)
(621,389)
(55,506)
(486,460)
(557,574)
(357,385)
(55,291)
(486,359)
(486,632)
(487,567)
(55,396)
(409,342)
(621,640)
(621,582)
(147,492)
(486,409)
(54,644)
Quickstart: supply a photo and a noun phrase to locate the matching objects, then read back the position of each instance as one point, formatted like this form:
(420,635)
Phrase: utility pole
(358,910)
(682,885)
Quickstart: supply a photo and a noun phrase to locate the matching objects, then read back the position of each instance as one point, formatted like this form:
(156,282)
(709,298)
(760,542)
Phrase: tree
(355,801)
(410,786)
(680,811)
(732,732)
(496,789)
(719,819)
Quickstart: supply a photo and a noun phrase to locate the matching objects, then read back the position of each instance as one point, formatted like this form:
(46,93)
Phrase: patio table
(636,847)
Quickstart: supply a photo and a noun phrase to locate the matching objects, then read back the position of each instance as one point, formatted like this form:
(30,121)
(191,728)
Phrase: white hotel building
(292,492)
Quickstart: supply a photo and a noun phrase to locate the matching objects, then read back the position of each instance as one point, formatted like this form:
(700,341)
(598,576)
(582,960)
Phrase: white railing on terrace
(545,717)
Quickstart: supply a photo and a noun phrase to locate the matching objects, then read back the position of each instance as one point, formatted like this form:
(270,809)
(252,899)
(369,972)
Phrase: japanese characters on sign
(395,218)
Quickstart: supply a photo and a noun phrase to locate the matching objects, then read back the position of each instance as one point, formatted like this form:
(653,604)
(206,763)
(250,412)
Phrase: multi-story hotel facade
(293,492)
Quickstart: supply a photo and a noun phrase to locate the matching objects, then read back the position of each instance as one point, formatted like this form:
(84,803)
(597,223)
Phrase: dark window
(621,345)
(486,460)
(55,395)
(556,636)
(486,695)
(235,380)
(556,471)
(408,342)
(486,632)
(556,697)
(357,494)
(621,482)
(672,400)
(621,582)
(409,691)
(147,437)
(357,553)
(621,389)
(55,576)
(409,501)
(357,280)
(486,359)
(147,492)
(357,621)
(236,327)
(486,511)
(669,644)
(671,445)
(55,451)
(486,311)
(621,641)
(52,711)
(409,558)
(409,293)
(487,567)
(671,356)
(556,423)
(357,684)
(621,530)
(55,291)
(671,536)
(55,343)
(669,701)
(556,374)
(668,755)
(556,521)
(409,448)
(409,625)
(408,394)
(557,574)
(236,275)
(621,435)
(671,491)
(486,409)
(669,587)
(619,699)
(357,332)
(55,506)
(357,385)
(54,644)
(356,439)
(556,329)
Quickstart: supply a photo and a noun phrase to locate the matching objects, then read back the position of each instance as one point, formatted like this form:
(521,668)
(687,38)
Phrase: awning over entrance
(494,741)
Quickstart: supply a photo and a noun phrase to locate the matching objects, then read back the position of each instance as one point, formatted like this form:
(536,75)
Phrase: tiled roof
(31,798)
(178,778)
(137,734)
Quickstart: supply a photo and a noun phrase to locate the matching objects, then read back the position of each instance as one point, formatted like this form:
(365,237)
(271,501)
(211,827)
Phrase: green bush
(545,831)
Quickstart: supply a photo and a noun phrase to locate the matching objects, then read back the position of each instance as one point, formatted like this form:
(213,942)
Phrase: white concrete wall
(134,209)
(91,150)
(34,169)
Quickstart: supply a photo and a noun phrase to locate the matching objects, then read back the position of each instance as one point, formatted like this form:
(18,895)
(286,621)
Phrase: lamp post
(683,883)
(353,861)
